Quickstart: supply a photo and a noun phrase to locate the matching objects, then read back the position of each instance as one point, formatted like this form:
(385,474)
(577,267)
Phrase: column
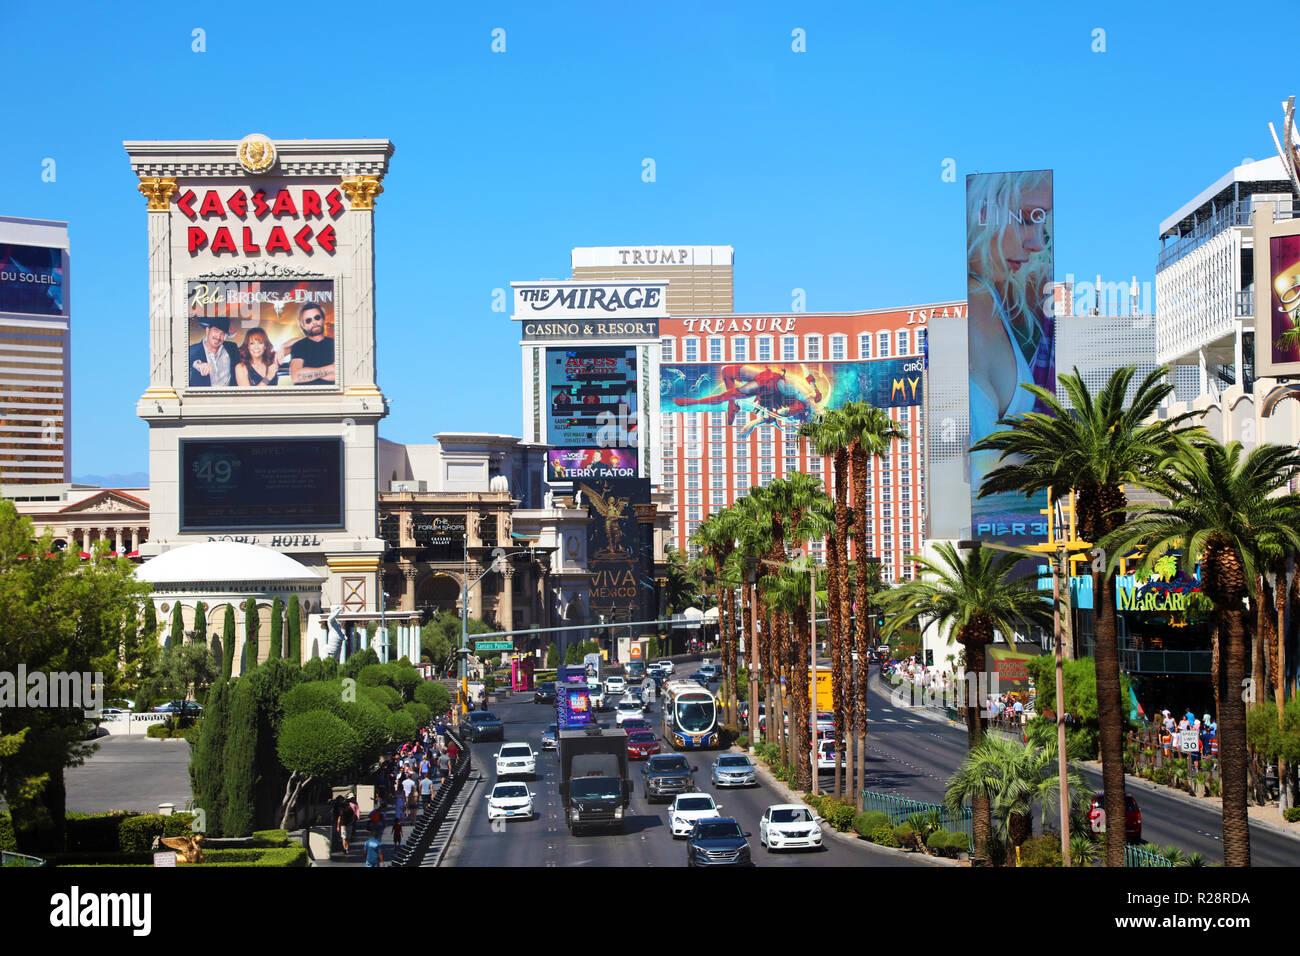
(506,603)
(159,191)
(1204,376)
(360,320)
(408,592)
(135,539)
(475,594)
(1239,367)
(85,539)
(117,540)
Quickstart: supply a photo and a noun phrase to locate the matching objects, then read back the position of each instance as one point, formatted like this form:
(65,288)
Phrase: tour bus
(690,715)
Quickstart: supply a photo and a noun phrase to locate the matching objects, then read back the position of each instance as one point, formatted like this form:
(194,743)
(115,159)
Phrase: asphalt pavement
(646,841)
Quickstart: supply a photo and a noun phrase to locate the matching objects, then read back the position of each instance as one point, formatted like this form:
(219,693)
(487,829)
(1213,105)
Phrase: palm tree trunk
(1110,714)
(799,664)
(773,734)
(722,634)
(1279,675)
(981,809)
(1261,643)
(1232,747)
(837,648)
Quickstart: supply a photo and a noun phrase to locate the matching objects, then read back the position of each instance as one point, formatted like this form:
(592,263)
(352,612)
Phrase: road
(545,841)
(913,756)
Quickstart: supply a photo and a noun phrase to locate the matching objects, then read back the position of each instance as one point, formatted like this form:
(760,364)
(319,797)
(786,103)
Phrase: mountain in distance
(136,479)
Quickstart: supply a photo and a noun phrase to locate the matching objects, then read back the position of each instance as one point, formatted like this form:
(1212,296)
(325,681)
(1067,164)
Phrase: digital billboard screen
(572,705)
(257,334)
(620,550)
(592,397)
(268,484)
(570,464)
(1283,329)
(788,394)
(31,279)
(1009,266)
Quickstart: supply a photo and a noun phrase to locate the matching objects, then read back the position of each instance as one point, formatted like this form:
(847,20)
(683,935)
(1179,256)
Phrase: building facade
(80,516)
(35,352)
(700,278)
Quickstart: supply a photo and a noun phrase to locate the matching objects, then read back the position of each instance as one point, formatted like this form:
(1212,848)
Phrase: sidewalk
(356,855)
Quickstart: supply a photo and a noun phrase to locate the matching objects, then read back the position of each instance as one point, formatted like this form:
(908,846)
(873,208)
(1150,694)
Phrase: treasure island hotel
(712,457)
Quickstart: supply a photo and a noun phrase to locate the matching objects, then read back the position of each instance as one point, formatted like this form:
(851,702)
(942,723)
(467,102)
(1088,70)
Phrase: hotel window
(666,350)
(715,435)
(669,436)
(693,519)
(715,350)
(765,433)
(765,466)
(813,348)
(902,342)
(740,350)
(886,510)
(905,509)
(765,449)
(692,450)
(693,467)
(764,481)
(718,451)
(864,345)
(765,348)
(692,497)
(905,493)
(906,526)
(791,466)
(839,347)
(669,481)
(718,497)
(716,419)
(790,434)
(692,433)
(692,350)
(815,466)
(885,478)
(886,525)
(668,419)
(692,481)
(789,350)
(868,508)
(718,480)
(669,466)
(882,339)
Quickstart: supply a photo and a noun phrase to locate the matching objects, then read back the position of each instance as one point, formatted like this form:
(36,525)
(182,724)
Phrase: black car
(482,725)
(718,841)
(666,775)
(544,693)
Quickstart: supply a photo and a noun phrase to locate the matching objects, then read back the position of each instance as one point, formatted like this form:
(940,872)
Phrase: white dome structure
(227,562)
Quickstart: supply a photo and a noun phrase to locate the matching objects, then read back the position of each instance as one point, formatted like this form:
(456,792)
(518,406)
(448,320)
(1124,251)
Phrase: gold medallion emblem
(256,153)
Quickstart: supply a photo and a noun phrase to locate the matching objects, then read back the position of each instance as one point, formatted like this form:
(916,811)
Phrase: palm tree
(715,539)
(870,432)
(754,530)
(787,591)
(1222,508)
(973,598)
(1093,448)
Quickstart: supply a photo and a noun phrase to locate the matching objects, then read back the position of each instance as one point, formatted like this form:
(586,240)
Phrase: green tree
(228,644)
(277,629)
(972,598)
(239,761)
(1226,508)
(1094,448)
(177,636)
(207,764)
(553,656)
(271,682)
(294,627)
(252,622)
(1083,731)
(684,587)
(315,745)
(201,622)
(182,670)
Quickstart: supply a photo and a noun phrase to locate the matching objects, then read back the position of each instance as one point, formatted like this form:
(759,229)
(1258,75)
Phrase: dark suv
(718,841)
(481,725)
(666,775)
(544,693)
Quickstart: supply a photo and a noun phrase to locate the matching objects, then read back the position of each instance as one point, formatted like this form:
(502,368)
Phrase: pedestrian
(425,766)
(408,787)
(374,852)
(399,810)
(444,765)
(453,751)
(426,792)
(397,831)
(343,823)
(376,819)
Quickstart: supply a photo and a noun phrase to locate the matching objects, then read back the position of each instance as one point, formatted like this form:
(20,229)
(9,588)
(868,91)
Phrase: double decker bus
(690,715)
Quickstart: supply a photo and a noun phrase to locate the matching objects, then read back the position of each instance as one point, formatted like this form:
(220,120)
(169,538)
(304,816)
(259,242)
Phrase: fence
(898,809)
(19,859)
(412,850)
(1136,855)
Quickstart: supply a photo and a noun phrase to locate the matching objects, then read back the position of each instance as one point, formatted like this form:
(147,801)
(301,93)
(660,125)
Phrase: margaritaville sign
(1156,597)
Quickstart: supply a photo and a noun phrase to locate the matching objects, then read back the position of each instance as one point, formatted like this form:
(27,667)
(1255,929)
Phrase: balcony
(1233,214)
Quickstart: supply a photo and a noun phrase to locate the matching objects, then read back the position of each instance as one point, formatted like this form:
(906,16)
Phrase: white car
(596,693)
(627,708)
(734,770)
(666,666)
(510,800)
(615,685)
(785,826)
(686,808)
(826,755)
(515,760)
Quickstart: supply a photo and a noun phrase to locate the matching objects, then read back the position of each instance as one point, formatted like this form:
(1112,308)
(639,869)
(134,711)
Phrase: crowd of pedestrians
(1171,728)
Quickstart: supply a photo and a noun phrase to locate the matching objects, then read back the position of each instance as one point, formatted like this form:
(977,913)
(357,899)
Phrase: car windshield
(595,788)
(552,728)
(718,830)
(695,803)
(521,751)
(628,705)
(642,738)
(669,765)
(695,716)
(791,816)
(733,761)
(483,715)
(510,790)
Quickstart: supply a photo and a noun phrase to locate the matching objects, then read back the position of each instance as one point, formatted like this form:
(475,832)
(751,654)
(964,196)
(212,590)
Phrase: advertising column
(1009,244)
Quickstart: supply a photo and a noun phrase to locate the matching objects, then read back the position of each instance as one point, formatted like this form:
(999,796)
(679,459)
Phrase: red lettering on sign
(237,204)
(310,203)
(260,206)
(335,202)
(326,239)
(197,238)
(303,238)
(249,247)
(212,204)
(223,241)
(284,204)
(277,241)
(185,203)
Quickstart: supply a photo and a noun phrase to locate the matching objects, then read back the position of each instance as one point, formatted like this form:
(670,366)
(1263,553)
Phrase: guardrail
(898,809)
(8,858)
(1135,855)
(413,849)
(130,723)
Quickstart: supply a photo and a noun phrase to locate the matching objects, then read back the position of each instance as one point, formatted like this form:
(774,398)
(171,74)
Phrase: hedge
(291,856)
(905,836)
(883,836)
(136,834)
(866,823)
(946,843)
(94,832)
(271,838)
(838,814)
(7,839)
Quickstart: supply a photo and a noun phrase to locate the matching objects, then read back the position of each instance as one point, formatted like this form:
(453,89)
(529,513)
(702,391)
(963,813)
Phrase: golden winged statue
(189,849)
(613,510)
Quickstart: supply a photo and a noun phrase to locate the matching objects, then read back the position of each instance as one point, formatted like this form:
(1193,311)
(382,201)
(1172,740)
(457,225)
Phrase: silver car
(734,770)
(548,736)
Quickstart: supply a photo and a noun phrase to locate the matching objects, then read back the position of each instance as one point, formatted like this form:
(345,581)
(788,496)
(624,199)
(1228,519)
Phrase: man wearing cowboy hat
(213,360)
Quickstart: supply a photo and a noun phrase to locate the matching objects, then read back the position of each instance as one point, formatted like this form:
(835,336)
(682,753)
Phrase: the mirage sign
(590,301)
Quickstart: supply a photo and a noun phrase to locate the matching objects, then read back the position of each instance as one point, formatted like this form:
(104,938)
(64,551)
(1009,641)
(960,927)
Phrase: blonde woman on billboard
(1008,243)
(257,364)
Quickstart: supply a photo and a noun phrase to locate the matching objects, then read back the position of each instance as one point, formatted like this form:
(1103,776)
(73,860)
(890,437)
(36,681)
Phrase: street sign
(1189,741)
(508,645)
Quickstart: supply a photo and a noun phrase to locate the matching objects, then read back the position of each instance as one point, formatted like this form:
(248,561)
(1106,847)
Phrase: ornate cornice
(261,269)
(159,191)
(362,190)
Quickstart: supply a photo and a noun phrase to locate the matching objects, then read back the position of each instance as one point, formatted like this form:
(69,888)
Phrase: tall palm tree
(1225,509)
(1094,448)
(971,597)
(871,431)
(715,537)
(788,592)
(755,533)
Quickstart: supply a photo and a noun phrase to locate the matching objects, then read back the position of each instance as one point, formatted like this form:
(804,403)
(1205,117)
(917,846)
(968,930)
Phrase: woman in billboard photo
(257,365)
(1009,286)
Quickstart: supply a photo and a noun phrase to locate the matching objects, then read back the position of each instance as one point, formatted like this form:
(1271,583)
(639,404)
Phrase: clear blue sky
(822,169)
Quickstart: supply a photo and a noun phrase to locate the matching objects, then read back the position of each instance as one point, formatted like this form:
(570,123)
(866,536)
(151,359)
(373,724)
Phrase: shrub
(906,837)
(318,743)
(883,836)
(866,823)
(1291,814)
(946,843)
(373,675)
(7,839)
(433,695)
(402,726)
(419,713)
(158,731)
(94,832)
(191,733)
(271,838)
(742,742)
(1161,775)
(383,694)
(838,814)
(237,762)
(1041,851)
(136,834)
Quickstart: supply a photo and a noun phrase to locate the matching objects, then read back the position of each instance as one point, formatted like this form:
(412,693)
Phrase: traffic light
(880,619)
(929,657)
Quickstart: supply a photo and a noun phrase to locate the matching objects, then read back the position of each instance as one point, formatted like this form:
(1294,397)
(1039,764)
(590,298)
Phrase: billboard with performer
(788,394)
(592,396)
(1009,273)
(620,550)
(260,333)
(1277,296)
(570,464)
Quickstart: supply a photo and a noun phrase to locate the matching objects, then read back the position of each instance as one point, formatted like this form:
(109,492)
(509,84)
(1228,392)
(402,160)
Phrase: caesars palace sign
(253,222)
